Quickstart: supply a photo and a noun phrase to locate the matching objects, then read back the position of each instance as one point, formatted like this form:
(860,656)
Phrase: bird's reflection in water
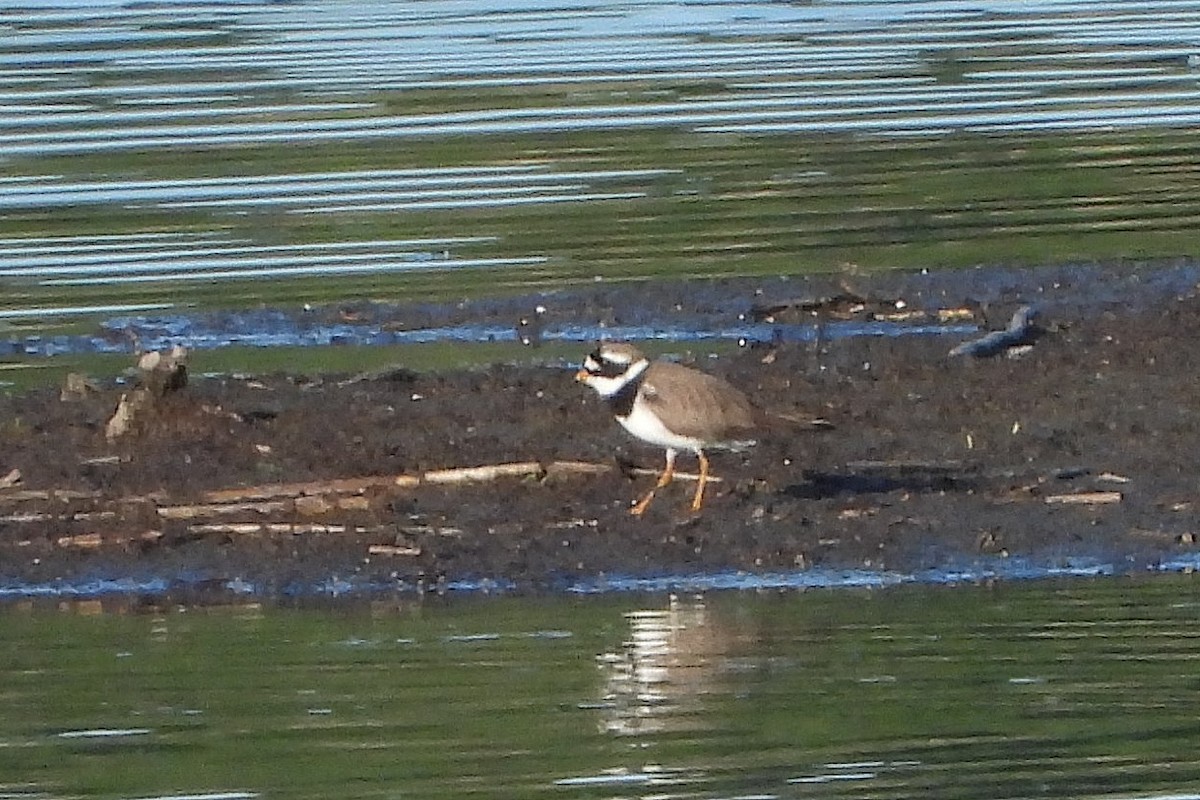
(658,679)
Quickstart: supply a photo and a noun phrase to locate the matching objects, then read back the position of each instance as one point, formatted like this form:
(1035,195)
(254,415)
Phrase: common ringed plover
(672,406)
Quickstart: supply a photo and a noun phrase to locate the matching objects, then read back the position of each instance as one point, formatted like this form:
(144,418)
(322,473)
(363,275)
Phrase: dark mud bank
(1076,457)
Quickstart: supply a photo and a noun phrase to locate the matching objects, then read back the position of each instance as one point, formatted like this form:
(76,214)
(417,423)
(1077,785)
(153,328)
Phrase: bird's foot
(640,507)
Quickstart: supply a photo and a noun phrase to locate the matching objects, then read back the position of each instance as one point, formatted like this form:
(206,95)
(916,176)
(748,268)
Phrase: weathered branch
(1085,498)
(269,491)
(454,475)
(280,527)
(218,509)
(1021,330)
(487,472)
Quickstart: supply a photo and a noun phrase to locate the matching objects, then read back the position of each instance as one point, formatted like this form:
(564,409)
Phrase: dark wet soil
(1083,446)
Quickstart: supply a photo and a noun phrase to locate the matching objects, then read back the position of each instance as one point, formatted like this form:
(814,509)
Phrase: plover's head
(611,366)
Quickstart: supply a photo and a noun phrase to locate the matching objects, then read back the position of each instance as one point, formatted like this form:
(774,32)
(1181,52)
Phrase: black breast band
(621,401)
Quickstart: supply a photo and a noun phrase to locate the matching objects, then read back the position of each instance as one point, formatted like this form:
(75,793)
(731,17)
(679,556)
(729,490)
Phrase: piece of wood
(451,475)
(220,509)
(487,472)
(78,516)
(1085,498)
(19,518)
(315,505)
(954,314)
(23,495)
(82,541)
(269,491)
(425,530)
(393,550)
(97,461)
(1021,331)
(250,528)
(562,468)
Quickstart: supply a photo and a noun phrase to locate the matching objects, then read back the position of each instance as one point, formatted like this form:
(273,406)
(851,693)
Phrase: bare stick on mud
(1085,498)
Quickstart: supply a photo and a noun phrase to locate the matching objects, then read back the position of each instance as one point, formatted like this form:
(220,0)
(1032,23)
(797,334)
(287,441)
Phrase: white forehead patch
(616,355)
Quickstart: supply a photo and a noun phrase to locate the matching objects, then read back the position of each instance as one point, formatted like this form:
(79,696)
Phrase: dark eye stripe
(596,364)
(610,370)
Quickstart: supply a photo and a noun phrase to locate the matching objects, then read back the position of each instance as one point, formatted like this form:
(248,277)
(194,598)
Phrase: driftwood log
(1085,498)
(1021,331)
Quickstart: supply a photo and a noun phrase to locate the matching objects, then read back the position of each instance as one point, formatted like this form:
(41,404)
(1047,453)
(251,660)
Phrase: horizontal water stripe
(1015,569)
(282,332)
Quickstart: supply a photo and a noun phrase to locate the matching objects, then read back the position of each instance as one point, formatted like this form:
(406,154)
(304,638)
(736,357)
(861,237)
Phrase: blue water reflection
(973,571)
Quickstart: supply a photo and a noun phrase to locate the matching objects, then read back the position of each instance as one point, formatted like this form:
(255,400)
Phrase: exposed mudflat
(1084,447)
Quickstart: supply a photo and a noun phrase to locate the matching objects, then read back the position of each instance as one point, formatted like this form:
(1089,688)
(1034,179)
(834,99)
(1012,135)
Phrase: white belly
(647,427)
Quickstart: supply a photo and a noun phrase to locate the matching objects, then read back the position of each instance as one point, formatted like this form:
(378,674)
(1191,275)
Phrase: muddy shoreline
(1079,451)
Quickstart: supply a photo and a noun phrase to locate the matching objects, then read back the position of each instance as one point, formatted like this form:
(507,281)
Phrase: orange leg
(698,500)
(667,474)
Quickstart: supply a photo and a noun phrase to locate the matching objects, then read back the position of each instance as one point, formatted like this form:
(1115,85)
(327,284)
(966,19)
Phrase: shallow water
(1080,688)
(156,159)
(270,329)
(153,154)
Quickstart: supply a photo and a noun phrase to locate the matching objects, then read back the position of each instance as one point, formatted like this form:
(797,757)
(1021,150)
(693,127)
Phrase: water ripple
(279,329)
(978,571)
